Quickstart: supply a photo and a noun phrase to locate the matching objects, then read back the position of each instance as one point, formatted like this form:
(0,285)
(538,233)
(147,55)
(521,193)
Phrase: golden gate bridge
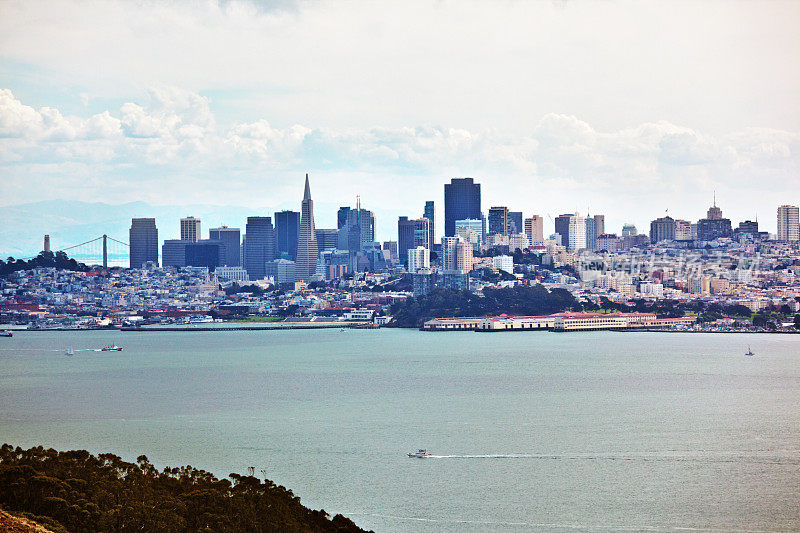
(103,250)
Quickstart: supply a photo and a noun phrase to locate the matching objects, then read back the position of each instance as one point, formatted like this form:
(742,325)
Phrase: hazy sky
(622,108)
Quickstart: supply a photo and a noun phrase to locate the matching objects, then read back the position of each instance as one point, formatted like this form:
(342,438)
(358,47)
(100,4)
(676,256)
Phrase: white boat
(421,454)
(111,348)
(70,351)
(5,333)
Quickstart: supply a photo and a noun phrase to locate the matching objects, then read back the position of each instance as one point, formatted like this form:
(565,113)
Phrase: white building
(683,230)
(518,240)
(577,233)
(227,273)
(418,258)
(788,223)
(534,229)
(503,262)
(475,224)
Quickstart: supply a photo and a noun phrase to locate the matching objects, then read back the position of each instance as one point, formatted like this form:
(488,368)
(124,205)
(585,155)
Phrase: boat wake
(768,458)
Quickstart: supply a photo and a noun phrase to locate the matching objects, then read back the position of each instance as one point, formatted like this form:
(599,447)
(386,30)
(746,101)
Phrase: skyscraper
(231,237)
(713,226)
(498,220)
(462,200)
(788,223)
(430,214)
(534,229)
(562,227)
(358,228)
(572,228)
(591,233)
(307,251)
(259,246)
(190,229)
(287,227)
(412,233)
(143,239)
(515,222)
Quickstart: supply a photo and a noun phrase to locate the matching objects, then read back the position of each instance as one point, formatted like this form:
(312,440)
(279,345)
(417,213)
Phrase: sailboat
(749,351)
(70,351)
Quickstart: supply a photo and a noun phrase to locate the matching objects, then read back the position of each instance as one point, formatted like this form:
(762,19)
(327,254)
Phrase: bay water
(592,431)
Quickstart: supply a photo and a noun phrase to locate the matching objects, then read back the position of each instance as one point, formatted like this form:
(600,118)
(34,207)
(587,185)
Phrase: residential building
(534,229)
(418,258)
(714,225)
(683,230)
(662,229)
(503,262)
(788,223)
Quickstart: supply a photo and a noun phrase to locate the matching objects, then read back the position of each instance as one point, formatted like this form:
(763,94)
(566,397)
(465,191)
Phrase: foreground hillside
(77,491)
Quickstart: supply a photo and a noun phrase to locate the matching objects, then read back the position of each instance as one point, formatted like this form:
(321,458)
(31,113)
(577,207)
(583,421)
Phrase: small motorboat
(5,333)
(111,348)
(420,454)
(70,351)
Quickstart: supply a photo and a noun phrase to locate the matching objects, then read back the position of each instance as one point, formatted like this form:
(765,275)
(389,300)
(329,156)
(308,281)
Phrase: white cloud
(171,145)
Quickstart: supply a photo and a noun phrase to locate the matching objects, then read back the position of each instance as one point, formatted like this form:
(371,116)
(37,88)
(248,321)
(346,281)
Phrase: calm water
(545,431)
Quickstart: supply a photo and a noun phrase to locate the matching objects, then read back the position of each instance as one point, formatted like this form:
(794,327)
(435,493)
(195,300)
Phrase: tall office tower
(591,233)
(562,227)
(577,233)
(418,259)
(341,217)
(47,243)
(683,230)
(259,246)
(662,229)
(307,250)
(231,238)
(412,233)
(515,222)
(534,229)
(713,226)
(327,238)
(190,229)
(390,251)
(462,200)
(600,224)
(498,221)
(430,214)
(449,254)
(287,226)
(628,230)
(788,223)
(143,239)
(358,229)
(207,253)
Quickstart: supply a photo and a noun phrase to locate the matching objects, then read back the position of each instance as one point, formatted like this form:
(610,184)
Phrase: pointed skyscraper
(307,251)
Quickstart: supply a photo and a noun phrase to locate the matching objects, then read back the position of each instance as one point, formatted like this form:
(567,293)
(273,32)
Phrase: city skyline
(642,139)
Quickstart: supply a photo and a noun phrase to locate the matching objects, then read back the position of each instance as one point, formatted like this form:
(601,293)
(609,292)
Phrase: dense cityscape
(710,274)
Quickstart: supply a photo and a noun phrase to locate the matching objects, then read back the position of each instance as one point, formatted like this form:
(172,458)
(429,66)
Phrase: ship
(420,454)
(111,348)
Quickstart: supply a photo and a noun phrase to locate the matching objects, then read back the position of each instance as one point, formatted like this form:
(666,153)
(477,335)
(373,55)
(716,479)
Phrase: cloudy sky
(622,108)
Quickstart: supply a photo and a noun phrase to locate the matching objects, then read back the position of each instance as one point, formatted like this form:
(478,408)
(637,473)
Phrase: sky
(629,109)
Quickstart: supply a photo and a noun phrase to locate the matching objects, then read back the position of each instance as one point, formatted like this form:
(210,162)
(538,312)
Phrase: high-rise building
(143,239)
(591,233)
(358,228)
(412,233)
(471,230)
(683,230)
(390,252)
(462,200)
(628,230)
(232,239)
(463,256)
(572,228)
(534,229)
(788,223)
(259,246)
(190,229)
(307,250)
(341,217)
(600,224)
(327,238)
(713,226)
(662,229)
(430,214)
(204,253)
(418,258)
(498,221)
(287,226)
(515,223)
(449,257)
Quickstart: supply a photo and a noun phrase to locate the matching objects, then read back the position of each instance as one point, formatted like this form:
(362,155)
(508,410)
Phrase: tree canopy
(58,260)
(76,491)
